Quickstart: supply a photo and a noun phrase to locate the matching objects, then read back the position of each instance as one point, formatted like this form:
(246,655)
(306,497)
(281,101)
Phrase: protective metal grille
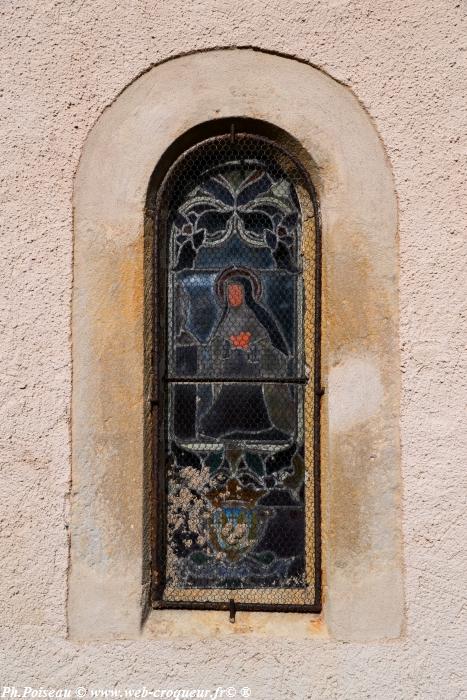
(236,468)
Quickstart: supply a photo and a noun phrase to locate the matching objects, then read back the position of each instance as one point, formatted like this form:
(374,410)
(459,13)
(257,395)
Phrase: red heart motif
(242,340)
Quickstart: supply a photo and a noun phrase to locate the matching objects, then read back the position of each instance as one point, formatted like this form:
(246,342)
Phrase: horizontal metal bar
(235,380)
(266,270)
(246,607)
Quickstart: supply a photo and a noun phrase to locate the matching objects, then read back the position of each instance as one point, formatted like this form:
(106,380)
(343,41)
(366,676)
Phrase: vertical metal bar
(319,391)
(232,610)
(159,395)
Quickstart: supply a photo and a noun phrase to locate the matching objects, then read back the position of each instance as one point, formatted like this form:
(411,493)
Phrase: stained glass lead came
(236,510)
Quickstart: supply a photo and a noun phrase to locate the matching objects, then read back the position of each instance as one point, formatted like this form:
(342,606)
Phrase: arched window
(118,407)
(237,379)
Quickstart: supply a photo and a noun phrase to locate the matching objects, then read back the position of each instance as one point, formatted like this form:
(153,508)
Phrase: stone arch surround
(362,561)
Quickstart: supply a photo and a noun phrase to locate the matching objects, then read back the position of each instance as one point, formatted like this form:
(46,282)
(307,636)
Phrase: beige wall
(62,64)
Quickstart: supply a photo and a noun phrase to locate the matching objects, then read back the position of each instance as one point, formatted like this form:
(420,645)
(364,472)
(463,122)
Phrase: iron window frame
(159,381)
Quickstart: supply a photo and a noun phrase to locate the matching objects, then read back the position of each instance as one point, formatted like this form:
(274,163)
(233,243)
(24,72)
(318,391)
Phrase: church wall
(62,65)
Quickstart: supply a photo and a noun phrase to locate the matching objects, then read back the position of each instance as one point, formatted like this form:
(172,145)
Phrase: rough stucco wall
(62,63)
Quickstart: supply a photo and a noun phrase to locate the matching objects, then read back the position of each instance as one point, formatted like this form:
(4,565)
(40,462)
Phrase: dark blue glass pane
(184,411)
(242,412)
(235,251)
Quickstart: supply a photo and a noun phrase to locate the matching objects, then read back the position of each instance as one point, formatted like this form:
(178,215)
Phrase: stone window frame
(110,554)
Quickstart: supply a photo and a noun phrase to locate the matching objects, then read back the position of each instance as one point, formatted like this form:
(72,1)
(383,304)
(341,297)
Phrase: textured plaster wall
(61,64)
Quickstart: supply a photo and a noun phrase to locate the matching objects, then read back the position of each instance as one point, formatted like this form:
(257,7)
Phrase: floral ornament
(258,208)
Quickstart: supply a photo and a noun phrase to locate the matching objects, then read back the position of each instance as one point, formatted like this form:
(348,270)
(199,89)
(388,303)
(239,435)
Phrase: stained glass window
(236,240)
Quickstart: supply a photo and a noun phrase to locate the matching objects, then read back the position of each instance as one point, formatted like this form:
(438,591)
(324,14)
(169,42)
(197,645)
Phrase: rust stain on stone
(361,323)
(358,321)
(118,347)
(352,501)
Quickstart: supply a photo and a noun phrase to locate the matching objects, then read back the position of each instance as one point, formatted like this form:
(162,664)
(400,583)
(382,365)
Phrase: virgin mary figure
(247,344)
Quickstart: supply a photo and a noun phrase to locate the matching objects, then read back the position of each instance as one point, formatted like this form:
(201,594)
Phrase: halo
(230,272)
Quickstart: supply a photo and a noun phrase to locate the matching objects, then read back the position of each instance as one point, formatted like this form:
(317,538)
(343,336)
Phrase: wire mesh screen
(238,377)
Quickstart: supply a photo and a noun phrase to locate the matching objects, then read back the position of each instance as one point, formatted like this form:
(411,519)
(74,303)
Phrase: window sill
(169,624)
